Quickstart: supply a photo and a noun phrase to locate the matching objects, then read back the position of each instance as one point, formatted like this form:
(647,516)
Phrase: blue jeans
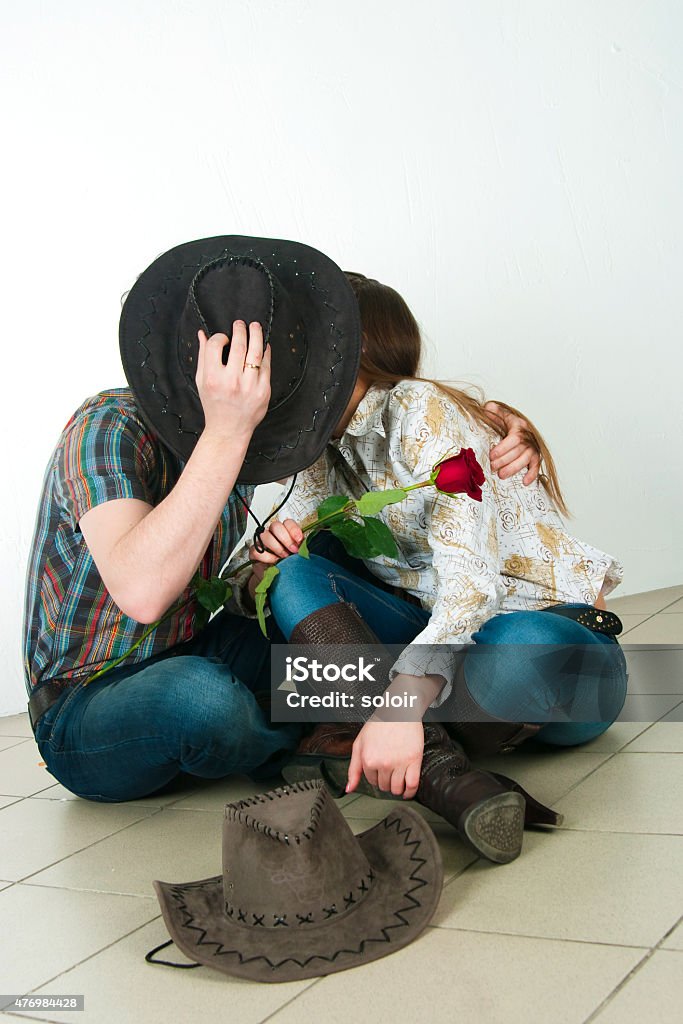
(518,687)
(192,709)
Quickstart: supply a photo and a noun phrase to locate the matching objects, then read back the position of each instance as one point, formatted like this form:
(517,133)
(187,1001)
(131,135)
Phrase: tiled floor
(584,926)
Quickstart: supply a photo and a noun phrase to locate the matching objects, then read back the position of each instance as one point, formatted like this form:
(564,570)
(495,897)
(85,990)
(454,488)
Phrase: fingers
(510,455)
(533,470)
(494,410)
(412,779)
(200,357)
(265,366)
(295,531)
(255,348)
(277,542)
(398,781)
(213,350)
(355,768)
(512,438)
(521,462)
(238,348)
(266,557)
(282,534)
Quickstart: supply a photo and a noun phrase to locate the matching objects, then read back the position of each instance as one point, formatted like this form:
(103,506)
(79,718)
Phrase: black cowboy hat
(309,316)
(300,895)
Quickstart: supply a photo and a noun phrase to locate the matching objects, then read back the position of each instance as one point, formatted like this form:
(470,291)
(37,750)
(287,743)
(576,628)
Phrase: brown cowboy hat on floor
(300,895)
(310,319)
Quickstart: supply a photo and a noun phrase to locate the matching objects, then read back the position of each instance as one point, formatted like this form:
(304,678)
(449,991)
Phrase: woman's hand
(279,540)
(513,452)
(389,754)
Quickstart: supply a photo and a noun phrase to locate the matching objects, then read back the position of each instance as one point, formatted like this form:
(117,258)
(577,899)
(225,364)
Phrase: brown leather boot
(480,733)
(326,753)
(487,815)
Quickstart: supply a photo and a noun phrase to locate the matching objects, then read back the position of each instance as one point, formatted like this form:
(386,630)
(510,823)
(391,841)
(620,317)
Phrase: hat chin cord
(261,526)
(149,957)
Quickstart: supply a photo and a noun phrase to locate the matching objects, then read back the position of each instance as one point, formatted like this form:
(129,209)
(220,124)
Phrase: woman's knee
(302,586)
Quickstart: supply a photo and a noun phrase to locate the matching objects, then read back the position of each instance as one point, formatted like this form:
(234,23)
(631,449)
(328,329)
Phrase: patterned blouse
(464,560)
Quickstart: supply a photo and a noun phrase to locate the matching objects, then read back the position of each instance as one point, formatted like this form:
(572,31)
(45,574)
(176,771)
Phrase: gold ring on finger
(252,366)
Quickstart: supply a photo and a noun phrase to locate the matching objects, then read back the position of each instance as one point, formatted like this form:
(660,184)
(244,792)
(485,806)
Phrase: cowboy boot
(325,752)
(480,733)
(535,813)
(488,813)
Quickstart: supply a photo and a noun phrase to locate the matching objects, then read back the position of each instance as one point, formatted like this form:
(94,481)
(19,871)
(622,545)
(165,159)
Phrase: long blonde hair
(392,349)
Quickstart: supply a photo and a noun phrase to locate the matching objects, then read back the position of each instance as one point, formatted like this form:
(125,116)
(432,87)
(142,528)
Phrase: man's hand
(147,556)
(389,754)
(234,396)
(513,452)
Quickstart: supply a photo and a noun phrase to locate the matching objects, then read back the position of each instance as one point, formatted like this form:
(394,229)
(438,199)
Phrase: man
(241,355)
(140,493)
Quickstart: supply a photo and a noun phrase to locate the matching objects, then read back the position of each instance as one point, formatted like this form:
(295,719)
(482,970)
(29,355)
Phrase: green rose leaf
(354,537)
(373,501)
(212,593)
(335,503)
(303,548)
(201,618)
(261,594)
(380,537)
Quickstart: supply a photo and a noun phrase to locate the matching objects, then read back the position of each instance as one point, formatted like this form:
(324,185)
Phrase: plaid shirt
(72,627)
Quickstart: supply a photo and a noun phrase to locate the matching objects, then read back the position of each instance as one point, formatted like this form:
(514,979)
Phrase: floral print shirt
(464,560)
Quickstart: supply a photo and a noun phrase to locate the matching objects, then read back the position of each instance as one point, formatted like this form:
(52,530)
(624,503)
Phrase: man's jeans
(508,679)
(192,709)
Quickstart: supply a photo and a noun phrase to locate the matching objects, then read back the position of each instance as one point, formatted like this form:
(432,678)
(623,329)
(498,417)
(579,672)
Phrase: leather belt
(43,698)
(597,619)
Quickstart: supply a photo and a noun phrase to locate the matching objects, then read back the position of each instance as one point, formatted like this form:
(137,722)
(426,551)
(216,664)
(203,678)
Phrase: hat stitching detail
(235,812)
(177,893)
(245,261)
(308,918)
(184,430)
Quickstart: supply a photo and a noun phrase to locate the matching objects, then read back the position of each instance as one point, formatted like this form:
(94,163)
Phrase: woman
(483,572)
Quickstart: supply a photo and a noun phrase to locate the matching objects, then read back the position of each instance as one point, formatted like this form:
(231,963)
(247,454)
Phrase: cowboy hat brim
(292,435)
(407,871)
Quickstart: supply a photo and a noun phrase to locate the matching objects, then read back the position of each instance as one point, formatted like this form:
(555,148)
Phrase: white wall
(512,167)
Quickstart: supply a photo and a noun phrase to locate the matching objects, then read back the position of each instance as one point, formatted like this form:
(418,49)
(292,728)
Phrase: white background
(513,168)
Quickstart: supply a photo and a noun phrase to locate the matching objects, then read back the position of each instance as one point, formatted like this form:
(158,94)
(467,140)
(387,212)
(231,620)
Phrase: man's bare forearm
(160,554)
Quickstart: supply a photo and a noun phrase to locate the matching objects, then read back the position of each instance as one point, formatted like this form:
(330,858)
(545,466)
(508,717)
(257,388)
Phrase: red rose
(461,474)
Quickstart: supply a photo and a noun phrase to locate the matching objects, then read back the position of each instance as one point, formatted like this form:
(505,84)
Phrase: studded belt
(597,619)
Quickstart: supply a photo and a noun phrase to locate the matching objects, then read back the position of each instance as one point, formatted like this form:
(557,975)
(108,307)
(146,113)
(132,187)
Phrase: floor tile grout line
(88,846)
(632,973)
(90,956)
(315,981)
(619,832)
(22,1016)
(102,892)
(638,625)
(618,988)
(543,938)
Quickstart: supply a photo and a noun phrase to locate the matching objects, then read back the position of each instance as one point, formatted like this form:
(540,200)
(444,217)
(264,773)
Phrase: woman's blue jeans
(522,685)
(192,709)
